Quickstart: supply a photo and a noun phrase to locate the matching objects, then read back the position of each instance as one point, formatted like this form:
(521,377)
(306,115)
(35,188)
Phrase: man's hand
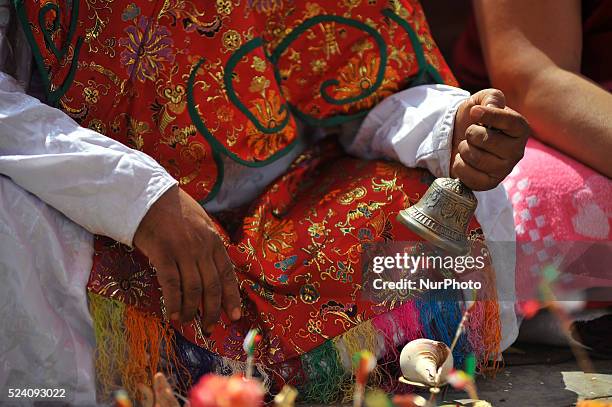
(488,140)
(192,265)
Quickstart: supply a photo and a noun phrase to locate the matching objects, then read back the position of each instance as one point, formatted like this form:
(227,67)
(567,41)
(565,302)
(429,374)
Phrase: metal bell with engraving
(442,215)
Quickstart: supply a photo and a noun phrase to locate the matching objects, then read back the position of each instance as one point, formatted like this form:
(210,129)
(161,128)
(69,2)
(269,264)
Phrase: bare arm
(533,53)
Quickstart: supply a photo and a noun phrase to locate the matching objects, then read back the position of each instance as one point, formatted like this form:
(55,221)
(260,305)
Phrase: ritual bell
(442,215)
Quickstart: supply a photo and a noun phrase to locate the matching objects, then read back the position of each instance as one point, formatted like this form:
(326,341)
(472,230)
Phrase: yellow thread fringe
(361,337)
(111,347)
(130,347)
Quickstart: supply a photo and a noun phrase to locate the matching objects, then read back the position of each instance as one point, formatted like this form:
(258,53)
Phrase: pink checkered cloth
(562,217)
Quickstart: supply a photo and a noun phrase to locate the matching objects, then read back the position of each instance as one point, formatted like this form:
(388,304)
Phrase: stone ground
(547,377)
(542,376)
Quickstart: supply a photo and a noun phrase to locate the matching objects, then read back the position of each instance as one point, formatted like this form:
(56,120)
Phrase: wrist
(153,211)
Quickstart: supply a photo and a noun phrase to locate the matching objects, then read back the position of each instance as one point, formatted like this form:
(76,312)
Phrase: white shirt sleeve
(97,182)
(414,127)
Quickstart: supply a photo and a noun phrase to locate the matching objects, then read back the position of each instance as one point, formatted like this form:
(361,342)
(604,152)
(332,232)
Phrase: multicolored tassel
(132,346)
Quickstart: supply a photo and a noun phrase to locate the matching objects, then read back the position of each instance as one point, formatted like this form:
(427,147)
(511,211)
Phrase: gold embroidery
(231,40)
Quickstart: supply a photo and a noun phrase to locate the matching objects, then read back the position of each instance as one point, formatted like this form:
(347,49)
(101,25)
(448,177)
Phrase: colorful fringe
(132,347)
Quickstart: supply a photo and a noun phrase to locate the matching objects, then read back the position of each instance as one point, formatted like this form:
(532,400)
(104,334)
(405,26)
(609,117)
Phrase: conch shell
(420,360)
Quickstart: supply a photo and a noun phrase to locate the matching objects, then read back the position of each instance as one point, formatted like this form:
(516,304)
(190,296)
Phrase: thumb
(490,98)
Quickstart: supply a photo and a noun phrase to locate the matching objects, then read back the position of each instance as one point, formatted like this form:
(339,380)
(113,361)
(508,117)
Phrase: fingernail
(174,316)
(477,112)
(236,314)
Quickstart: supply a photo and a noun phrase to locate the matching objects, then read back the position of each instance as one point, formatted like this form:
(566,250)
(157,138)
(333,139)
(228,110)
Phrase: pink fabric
(399,326)
(562,216)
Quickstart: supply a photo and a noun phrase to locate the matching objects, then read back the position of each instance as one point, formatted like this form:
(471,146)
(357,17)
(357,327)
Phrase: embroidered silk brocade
(191,82)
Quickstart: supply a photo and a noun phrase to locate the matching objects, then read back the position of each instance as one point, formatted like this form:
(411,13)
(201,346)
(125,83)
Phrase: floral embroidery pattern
(275,238)
(268,112)
(147,50)
(265,6)
(360,74)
